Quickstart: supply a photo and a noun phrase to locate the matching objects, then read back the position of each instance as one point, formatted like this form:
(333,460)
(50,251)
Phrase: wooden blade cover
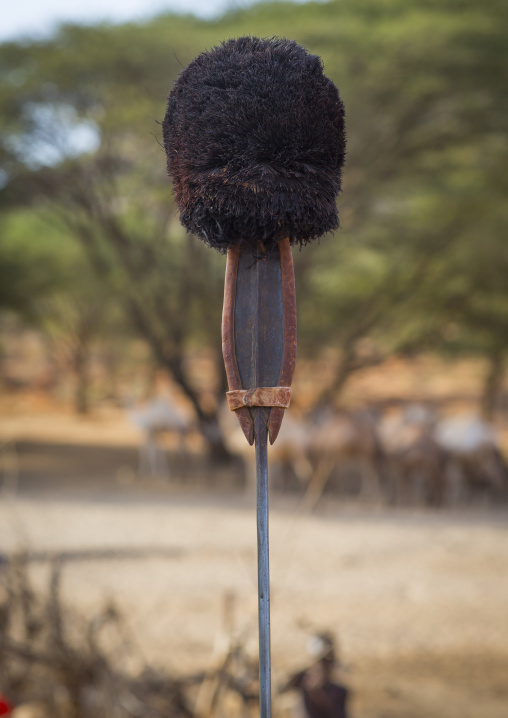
(259,330)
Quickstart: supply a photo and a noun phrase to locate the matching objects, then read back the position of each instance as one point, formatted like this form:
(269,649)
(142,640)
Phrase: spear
(259,348)
(255,143)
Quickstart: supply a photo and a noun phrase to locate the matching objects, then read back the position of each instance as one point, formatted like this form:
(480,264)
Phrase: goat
(475,462)
(154,419)
(415,459)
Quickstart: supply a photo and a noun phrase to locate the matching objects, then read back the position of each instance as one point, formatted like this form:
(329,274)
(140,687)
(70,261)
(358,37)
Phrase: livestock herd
(408,455)
(405,456)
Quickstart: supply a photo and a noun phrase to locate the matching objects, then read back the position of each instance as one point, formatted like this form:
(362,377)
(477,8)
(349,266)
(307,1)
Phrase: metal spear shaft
(265,691)
(259,347)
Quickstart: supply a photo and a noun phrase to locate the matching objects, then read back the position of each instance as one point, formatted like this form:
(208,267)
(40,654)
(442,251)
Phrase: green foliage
(421,259)
(29,269)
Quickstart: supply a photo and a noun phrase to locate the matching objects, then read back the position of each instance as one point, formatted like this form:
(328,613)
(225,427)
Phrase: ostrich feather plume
(255,143)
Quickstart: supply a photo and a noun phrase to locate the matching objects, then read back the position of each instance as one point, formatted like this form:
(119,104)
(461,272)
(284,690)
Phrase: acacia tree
(424,87)
(468,315)
(81,146)
(425,214)
(74,318)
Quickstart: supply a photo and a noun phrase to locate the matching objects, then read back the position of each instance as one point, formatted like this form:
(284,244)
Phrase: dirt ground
(417,599)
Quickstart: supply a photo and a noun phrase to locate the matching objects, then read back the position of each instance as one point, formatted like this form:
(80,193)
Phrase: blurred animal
(311,449)
(341,439)
(415,459)
(154,419)
(475,463)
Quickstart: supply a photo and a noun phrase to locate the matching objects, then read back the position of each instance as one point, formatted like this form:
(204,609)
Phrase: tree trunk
(208,420)
(342,374)
(82,381)
(166,346)
(210,428)
(344,371)
(493,384)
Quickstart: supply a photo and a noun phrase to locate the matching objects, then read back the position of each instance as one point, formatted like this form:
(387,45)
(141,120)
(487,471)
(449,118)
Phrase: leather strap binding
(279,396)
(289,349)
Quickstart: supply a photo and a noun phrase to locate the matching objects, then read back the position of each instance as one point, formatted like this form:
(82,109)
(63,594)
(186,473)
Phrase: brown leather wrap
(276,397)
(289,326)
(228,339)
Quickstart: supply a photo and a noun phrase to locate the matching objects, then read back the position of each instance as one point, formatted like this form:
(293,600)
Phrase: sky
(38,18)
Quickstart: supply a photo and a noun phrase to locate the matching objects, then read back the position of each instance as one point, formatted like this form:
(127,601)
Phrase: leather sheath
(239,398)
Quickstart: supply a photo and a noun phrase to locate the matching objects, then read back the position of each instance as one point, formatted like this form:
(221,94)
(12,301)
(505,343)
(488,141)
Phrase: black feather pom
(255,143)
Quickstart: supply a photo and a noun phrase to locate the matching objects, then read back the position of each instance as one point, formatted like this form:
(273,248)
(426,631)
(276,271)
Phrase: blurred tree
(424,183)
(72,324)
(424,87)
(27,269)
(77,317)
(468,315)
(51,286)
(80,142)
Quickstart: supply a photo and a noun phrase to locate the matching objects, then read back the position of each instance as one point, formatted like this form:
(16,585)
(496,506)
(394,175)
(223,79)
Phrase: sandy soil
(419,600)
